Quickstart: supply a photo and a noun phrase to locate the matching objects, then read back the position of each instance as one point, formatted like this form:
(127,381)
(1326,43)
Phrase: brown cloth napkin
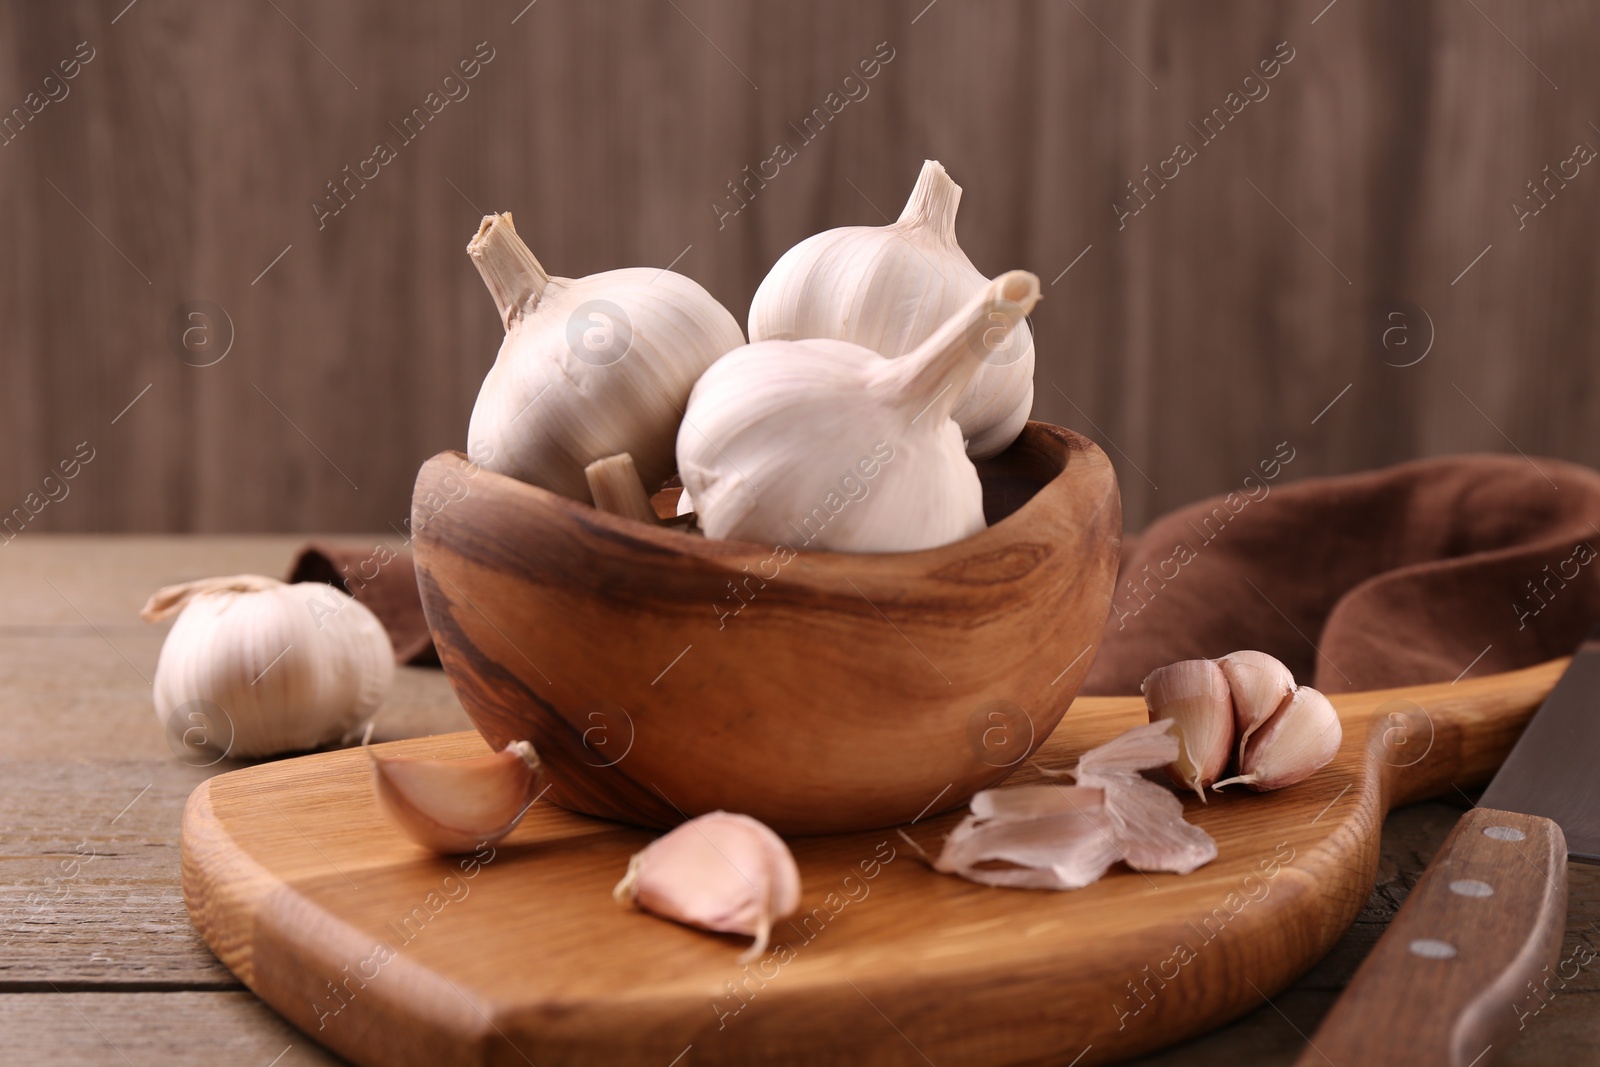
(1424,572)
(386,583)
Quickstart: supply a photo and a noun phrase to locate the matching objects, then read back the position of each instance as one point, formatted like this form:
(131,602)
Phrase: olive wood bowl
(661,675)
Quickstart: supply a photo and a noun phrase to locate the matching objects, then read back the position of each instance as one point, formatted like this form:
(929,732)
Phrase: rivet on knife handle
(1443,984)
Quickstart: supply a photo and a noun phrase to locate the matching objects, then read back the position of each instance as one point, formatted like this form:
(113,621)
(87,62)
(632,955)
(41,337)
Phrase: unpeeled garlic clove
(1299,739)
(456,805)
(1260,685)
(1193,693)
(720,871)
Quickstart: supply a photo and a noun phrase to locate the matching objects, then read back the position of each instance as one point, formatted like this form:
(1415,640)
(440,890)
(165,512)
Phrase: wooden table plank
(79,742)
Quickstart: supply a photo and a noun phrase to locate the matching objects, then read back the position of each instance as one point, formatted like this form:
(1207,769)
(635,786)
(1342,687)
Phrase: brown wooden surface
(78,743)
(296,880)
(660,676)
(1188,344)
(1478,934)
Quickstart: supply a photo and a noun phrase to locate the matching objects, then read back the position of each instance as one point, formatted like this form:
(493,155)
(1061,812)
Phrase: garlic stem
(616,487)
(169,600)
(938,369)
(933,203)
(514,277)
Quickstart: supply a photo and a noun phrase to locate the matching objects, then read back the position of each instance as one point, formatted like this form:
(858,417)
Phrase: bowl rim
(1067,444)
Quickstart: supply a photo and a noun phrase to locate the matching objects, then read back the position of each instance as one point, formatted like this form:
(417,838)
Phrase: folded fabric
(385,583)
(1423,572)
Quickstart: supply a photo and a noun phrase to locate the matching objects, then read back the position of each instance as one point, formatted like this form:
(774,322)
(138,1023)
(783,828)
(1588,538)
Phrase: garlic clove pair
(1298,740)
(721,871)
(457,805)
(1065,837)
(888,288)
(256,667)
(590,367)
(826,444)
(1260,684)
(1194,695)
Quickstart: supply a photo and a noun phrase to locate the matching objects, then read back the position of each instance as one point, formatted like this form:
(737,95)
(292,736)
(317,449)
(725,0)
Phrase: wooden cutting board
(392,956)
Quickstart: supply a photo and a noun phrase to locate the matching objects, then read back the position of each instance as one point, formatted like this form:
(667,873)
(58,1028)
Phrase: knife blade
(1449,982)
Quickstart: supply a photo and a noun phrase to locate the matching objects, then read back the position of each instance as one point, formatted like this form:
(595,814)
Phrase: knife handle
(1461,966)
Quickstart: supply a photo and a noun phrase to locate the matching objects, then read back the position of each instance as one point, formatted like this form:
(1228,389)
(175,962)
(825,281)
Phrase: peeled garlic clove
(589,367)
(722,872)
(456,805)
(1260,684)
(1299,739)
(255,667)
(825,444)
(614,483)
(887,288)
(1194,694)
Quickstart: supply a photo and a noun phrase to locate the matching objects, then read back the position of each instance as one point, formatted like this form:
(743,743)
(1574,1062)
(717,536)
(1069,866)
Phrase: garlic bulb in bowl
(590,367)
(826,444)
(268,667)
(888,288)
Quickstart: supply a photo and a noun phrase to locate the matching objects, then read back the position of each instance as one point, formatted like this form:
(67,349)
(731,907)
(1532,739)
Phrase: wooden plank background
(183,161)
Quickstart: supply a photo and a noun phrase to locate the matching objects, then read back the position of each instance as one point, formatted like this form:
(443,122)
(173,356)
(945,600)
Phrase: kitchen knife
(1466,961)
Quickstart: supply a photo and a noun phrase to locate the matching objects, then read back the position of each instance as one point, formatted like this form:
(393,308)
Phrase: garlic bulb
(724,872)
(887,288)
(456,805)
(825,444)
(291,667)
(589,367)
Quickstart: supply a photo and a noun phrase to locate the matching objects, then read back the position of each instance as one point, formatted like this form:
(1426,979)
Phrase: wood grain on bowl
(662,675)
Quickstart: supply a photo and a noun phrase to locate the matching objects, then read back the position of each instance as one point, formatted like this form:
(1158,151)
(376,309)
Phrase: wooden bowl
(661,675)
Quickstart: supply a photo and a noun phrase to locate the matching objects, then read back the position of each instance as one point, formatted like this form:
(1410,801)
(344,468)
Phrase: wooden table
(98,961)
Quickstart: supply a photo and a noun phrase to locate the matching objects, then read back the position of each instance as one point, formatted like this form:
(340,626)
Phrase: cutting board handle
(1439,739)
(1464,963)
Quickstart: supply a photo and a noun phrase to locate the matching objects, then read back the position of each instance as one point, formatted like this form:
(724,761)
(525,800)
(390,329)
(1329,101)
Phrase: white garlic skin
(565,390)
(824,444)
(335,673)
(887,288)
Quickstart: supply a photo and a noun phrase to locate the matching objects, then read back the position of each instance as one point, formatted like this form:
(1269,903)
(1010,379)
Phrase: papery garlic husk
(589,367)
(1260,685)
(291,667)
(1299,740)
(458,805)
(1065,837)
(615,486)
(887,288)
(1194,694)
(825,444)
(720,871)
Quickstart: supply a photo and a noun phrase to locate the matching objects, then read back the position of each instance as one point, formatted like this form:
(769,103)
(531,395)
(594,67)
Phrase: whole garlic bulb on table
(291,667)
(826,444)
(888,288)
(590,367)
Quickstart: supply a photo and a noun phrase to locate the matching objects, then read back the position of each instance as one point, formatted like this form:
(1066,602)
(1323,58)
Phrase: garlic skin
(458,805)
(825,444)
(1260,685)
(720,871)
(589,367)
(887,288)
(293,667)
(1299,740)
(1194,694)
